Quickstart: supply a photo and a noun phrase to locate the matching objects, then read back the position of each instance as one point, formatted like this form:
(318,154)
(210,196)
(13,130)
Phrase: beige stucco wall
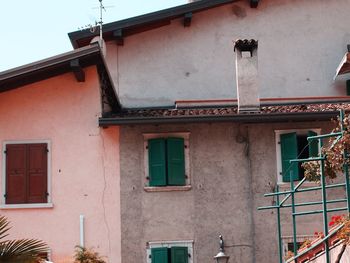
(300,46)
(228,179)
(85,164)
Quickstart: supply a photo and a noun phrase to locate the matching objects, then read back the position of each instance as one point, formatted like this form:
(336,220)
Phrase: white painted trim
(184,135)
(26,206)
(278,148)
(3,204)
(169,244)
(167,188)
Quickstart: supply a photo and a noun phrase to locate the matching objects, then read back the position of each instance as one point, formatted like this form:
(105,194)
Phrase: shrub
(84,255)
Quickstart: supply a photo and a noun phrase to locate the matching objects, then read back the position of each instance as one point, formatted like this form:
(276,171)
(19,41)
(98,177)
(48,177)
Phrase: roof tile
(229,111)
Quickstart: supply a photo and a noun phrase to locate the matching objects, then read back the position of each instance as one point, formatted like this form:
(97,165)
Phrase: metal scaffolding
(295,189)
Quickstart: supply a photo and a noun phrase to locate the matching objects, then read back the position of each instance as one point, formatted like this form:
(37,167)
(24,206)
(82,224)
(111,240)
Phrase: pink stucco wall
(85,164)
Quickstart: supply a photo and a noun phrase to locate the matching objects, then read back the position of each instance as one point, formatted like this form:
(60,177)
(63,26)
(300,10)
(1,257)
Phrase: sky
(37,29)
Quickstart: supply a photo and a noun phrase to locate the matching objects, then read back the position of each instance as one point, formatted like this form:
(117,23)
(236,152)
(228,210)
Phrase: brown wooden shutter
(37,173)
(15,174)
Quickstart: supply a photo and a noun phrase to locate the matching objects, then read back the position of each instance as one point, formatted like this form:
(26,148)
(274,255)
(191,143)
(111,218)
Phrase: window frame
(169,244)
(48,204)
(148,136)
(278,134)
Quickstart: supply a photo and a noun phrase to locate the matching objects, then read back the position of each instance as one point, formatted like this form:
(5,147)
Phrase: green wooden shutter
(179,255)
(157,162)
(176,161)
(160,255)
(313,145)
(289,150)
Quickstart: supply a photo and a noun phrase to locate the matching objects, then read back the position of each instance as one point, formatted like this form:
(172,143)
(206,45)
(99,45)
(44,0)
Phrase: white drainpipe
(82,243)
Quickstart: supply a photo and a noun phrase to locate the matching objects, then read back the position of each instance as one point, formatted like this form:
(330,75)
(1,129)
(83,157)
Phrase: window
(170,252)
(169,255)
(293,144)
(26,170)
(167,160)
(288,244)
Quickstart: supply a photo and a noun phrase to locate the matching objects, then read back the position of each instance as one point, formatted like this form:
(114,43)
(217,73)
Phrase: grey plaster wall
(229,177)
(300,46)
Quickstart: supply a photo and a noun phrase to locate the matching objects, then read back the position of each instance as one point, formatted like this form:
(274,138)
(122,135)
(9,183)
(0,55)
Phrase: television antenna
(99,23)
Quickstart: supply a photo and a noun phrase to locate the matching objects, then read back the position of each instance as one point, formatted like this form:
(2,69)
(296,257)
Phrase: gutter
(51,61)
(50,67)
(246,118)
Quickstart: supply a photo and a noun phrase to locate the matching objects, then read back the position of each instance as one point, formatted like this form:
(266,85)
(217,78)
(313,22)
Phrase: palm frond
(4,227)
(21,250)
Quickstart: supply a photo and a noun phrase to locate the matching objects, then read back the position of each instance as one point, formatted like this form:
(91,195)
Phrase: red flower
(331,223)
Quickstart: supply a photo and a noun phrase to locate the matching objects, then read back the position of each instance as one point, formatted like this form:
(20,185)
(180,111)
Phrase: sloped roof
(268,113)
(137,24)
(73,61)
(50,67)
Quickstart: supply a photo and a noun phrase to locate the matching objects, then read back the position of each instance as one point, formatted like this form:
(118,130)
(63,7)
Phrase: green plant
(289,255)
(333,151)
(21,250)
(306,244)
(333,165)
(84,255)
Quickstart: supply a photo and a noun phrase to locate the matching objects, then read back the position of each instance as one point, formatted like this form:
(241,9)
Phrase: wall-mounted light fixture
(221,257)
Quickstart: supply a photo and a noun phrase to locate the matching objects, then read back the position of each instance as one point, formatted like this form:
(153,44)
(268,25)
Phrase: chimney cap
(245,45)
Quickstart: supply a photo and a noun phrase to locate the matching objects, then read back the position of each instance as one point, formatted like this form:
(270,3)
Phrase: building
(59,170)
(191,133)
(191,104)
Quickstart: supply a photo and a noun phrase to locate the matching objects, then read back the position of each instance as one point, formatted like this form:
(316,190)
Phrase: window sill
(26,206)
(167,188)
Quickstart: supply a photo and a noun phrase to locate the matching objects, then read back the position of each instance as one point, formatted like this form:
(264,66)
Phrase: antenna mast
(101,23)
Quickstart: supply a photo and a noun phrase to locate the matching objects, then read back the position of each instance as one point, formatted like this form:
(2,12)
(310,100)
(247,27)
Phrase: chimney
(247,75)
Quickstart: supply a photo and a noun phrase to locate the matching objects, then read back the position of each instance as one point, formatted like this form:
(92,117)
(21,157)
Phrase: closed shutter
(157,162)
(289,151)
(313,145)
(176,161)
(160,255)
(179,255)
(15,174)
(37,173)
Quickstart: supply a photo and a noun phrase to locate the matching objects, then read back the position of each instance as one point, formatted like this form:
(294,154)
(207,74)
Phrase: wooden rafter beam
(77,70)
(118,36)
(254,3)
(187,19)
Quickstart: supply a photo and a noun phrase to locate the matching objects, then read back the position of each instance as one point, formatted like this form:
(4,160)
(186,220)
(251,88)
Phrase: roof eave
(50,67)
(246,118)
(150,18)
(344,66)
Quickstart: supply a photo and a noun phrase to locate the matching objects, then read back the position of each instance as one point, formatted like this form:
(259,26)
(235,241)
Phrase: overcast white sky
(37,29)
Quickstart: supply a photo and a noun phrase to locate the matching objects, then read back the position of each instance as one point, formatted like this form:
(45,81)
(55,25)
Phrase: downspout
(245,139)
(82,232)
(251,194)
